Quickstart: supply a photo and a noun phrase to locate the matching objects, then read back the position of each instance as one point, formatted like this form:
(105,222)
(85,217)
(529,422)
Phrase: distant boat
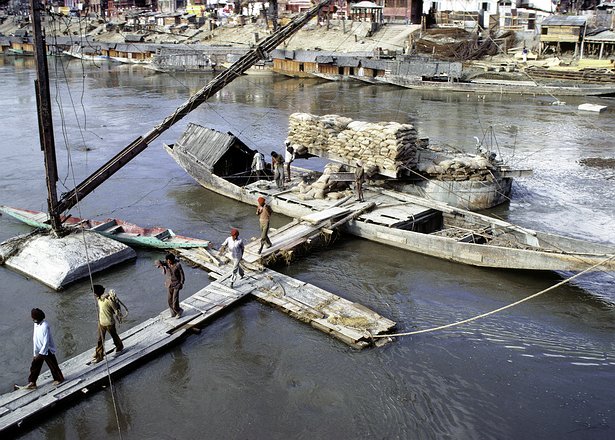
(499,86)
(119,230)
(87,53)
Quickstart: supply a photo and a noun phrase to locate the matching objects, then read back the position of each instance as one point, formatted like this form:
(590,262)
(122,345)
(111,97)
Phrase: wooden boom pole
(215,85)
(45,120)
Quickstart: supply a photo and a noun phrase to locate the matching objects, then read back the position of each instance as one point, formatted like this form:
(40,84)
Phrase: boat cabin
(220,154)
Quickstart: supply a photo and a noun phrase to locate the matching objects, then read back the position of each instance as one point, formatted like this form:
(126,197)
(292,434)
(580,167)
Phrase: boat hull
(580,255)
(504,88)
(158,238)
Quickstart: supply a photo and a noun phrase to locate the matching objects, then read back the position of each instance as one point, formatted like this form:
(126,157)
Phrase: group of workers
(108,305)
(281,169)
(279,164)
(109,310)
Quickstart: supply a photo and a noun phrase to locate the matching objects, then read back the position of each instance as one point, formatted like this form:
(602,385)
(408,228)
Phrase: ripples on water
(543,369)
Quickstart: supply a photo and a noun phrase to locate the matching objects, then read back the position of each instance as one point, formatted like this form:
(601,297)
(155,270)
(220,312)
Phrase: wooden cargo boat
(221,163)
(500,86)
(127,233)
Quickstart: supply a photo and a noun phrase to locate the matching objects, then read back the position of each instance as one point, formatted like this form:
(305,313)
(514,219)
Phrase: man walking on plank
(107,309)
(44,351)
(235,245)
(264,214)
(174,281)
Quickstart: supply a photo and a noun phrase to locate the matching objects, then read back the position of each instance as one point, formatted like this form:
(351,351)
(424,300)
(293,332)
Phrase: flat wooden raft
(140,342)
(351,323)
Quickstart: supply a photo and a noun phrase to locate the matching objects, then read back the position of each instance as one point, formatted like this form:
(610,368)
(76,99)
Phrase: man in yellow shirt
(107,310)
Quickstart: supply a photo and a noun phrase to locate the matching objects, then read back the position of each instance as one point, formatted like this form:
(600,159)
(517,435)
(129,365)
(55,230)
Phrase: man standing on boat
(107,309)
(258,164)
(359,178)
(174,281)
(264,214)
(235,245)
(289,156)
(44,351)
(277,163)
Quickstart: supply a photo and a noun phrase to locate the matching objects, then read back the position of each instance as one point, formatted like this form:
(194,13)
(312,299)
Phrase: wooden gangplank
(140,342)
(287,239)
(349,322)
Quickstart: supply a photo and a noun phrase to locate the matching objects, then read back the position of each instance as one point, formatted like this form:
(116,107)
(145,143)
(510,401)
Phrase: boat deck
(389,211)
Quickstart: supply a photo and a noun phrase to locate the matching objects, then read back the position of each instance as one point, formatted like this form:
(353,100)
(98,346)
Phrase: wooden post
(583,42)
(45,120)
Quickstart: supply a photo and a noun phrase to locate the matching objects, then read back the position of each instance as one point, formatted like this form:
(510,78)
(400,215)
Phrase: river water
(544,369)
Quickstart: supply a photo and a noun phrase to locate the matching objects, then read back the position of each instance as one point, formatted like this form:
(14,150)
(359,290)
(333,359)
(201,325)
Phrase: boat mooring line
(492,312)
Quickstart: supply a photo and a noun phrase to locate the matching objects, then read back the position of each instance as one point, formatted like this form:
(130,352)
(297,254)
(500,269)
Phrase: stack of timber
(384,147)
(583,75)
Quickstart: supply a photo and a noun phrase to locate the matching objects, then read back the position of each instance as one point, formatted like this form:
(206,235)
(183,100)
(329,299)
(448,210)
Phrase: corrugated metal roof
(324,59)
(348,61)
(606,36)
(377,64)
(132,48)
(133,38)
(207,146)
(365,5)
(564,20)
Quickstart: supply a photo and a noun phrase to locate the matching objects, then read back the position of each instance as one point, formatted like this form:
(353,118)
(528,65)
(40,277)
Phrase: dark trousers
(100,346)
(52,363)
(173,299)
(265,235)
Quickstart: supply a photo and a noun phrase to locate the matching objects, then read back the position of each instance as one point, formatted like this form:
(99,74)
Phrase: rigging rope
(492,312)
(83,234)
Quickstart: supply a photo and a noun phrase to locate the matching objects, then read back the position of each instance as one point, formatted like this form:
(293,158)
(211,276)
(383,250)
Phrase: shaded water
(545,369)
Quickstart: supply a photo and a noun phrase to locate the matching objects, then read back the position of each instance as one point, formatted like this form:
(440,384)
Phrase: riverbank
(338,36)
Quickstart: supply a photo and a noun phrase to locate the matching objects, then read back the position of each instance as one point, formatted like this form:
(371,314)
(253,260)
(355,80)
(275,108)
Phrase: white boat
(87,53)
(220,162)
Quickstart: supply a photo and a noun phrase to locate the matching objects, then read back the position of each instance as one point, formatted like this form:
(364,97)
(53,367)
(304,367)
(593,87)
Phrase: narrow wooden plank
(327,214)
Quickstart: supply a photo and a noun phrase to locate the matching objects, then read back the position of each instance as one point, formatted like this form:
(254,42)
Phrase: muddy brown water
(545,369)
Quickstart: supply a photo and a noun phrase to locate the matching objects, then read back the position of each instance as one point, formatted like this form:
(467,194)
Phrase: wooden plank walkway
(351,323)
(140,343)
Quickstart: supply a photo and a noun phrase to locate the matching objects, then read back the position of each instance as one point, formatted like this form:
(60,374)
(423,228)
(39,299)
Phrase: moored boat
(128,233)
(499,86)
(220,162)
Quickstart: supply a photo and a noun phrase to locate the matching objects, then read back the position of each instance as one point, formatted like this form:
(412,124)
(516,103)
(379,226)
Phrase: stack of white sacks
(388,148)
(442,164)
(383,147)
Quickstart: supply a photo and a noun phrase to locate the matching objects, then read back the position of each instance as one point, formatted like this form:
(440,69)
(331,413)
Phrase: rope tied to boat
(492,312)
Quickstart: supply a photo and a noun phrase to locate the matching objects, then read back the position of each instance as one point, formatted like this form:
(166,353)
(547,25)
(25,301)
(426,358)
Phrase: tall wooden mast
(45,121)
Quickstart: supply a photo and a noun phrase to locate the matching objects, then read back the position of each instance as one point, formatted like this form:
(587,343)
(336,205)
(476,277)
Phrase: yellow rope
(465,321)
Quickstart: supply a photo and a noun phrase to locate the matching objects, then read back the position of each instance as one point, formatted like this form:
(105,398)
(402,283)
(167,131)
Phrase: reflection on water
(545,366)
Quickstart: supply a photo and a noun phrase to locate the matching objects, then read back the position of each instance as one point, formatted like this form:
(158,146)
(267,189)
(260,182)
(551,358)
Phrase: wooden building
(601,44)
(295,63)
(562,33)
(21,46)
